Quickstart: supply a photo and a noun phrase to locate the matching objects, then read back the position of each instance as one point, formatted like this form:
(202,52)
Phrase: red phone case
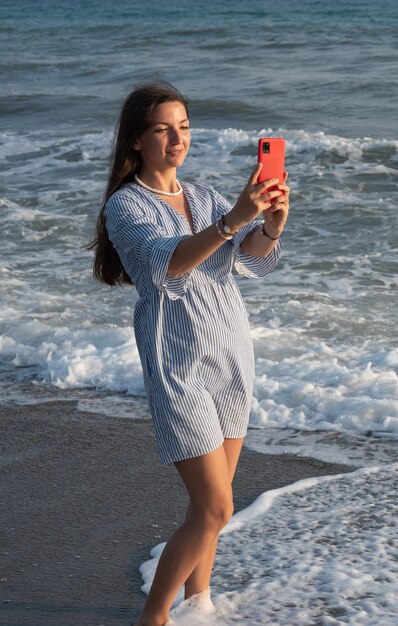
(271,153)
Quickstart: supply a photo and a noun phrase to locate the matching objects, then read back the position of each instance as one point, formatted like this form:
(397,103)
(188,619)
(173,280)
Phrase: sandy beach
(83,500)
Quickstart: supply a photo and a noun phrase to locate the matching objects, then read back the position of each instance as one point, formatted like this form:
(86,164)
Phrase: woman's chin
(176,160)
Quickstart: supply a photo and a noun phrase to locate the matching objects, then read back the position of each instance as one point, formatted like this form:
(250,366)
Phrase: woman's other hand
(275,215)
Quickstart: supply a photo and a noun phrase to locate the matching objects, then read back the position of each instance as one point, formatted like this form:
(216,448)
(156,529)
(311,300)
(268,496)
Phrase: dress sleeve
(246,264)
(143,244)
(254,266)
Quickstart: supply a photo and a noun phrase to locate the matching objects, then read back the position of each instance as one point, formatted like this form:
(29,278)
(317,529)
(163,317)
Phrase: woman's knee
(226,512)
(217,513)
(208,482)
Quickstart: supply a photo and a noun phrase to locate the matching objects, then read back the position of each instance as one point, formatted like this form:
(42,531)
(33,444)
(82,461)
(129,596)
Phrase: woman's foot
(198,603)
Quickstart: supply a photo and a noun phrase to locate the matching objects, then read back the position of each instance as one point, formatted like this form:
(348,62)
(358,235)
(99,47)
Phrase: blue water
(304,64)
(324,76)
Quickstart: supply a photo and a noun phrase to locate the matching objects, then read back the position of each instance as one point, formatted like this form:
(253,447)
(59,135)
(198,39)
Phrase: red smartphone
(271,153)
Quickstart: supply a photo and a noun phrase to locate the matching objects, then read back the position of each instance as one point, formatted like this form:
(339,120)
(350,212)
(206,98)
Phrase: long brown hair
(134,119)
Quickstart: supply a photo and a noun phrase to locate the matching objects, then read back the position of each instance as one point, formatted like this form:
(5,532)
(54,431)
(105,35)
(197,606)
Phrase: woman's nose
(176,136)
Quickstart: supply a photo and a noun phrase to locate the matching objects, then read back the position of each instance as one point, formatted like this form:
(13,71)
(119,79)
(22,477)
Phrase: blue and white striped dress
(192,331)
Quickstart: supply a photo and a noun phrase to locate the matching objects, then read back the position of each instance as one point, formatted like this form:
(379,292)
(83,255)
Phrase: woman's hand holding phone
(276,214)
(256,198)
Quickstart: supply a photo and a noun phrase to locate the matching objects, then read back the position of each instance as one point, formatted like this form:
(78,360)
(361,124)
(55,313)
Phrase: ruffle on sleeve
(173,286)
(254,266)
(142,244)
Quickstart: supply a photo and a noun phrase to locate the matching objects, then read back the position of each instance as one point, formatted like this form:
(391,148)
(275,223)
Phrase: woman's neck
(165,181)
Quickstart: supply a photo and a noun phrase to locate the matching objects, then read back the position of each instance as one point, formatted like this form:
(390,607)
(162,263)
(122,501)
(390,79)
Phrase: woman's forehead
(168,111)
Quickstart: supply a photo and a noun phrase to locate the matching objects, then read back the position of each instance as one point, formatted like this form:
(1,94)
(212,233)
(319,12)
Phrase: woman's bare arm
(193,250)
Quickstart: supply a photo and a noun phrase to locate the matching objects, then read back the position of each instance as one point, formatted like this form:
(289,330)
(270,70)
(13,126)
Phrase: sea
(324,324)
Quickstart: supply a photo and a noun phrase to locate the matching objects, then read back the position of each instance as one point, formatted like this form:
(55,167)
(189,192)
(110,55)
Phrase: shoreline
(84,499)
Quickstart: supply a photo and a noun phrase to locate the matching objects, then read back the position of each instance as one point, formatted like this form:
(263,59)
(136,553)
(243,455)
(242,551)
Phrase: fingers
(278,207)
(280,204)
(276,204)
(271,182)
(254,174)
(256,197)
(267,183)
(271,195)
(269,189)
(284,188)
(260,190)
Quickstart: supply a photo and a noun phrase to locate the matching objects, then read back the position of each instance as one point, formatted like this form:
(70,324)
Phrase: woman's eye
(160,130)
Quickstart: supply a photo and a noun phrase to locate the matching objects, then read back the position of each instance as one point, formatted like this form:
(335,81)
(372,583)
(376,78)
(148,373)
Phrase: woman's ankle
(193,591)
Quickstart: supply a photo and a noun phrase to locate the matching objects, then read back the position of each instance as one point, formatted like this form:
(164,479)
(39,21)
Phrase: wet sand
(84,498)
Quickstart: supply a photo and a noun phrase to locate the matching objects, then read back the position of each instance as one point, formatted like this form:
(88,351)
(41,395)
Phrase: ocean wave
(302,385)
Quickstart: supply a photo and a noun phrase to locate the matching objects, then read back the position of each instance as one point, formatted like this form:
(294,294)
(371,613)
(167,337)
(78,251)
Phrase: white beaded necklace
(163,193)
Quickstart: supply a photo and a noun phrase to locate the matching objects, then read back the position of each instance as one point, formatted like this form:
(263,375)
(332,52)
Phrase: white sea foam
(81,358)
(319,552)
(345,448)
(318,387)
(310,388)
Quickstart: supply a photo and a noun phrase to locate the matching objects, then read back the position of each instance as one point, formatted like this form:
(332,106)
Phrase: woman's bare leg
(208,482)
(199,580)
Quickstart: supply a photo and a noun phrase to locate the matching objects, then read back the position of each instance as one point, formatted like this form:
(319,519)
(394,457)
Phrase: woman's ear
(137,145)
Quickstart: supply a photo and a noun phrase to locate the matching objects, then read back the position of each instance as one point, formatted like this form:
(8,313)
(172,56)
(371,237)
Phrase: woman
(177,243)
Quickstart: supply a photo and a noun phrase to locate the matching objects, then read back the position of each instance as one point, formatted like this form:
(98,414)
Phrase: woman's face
(165,144)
